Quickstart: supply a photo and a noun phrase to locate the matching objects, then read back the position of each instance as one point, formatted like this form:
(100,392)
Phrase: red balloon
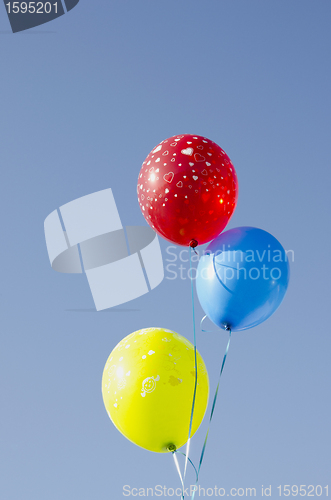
(187,189)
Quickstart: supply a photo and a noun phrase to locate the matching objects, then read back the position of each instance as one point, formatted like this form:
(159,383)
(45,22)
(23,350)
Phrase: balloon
(147,388)
(242,278)
(187,189)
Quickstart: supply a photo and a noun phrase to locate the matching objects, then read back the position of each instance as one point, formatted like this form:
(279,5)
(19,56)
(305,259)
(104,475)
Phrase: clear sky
(84,100)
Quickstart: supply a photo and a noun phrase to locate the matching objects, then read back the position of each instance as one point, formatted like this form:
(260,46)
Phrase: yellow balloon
(147,389)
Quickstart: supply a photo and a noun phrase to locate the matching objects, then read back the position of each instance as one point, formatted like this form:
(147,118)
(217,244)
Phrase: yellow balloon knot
(171,447)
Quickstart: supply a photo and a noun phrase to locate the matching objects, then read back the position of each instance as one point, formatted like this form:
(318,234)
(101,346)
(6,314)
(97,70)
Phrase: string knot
(171,447)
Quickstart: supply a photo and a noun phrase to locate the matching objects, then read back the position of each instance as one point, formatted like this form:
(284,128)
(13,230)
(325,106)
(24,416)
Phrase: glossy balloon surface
(187,189)
(242,278)
(147,388)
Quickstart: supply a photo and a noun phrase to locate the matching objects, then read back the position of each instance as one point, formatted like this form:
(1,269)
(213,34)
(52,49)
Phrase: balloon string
(195,368)
(187,459)
(179,472)
(201,322)
(195,470)
(212,412)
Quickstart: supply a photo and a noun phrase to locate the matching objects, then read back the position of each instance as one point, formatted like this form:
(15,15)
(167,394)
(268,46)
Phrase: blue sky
(84,100)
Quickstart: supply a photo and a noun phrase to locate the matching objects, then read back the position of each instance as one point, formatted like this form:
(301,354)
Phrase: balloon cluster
(187,192)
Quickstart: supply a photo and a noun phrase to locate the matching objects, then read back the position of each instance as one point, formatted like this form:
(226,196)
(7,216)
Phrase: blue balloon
(242,278)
